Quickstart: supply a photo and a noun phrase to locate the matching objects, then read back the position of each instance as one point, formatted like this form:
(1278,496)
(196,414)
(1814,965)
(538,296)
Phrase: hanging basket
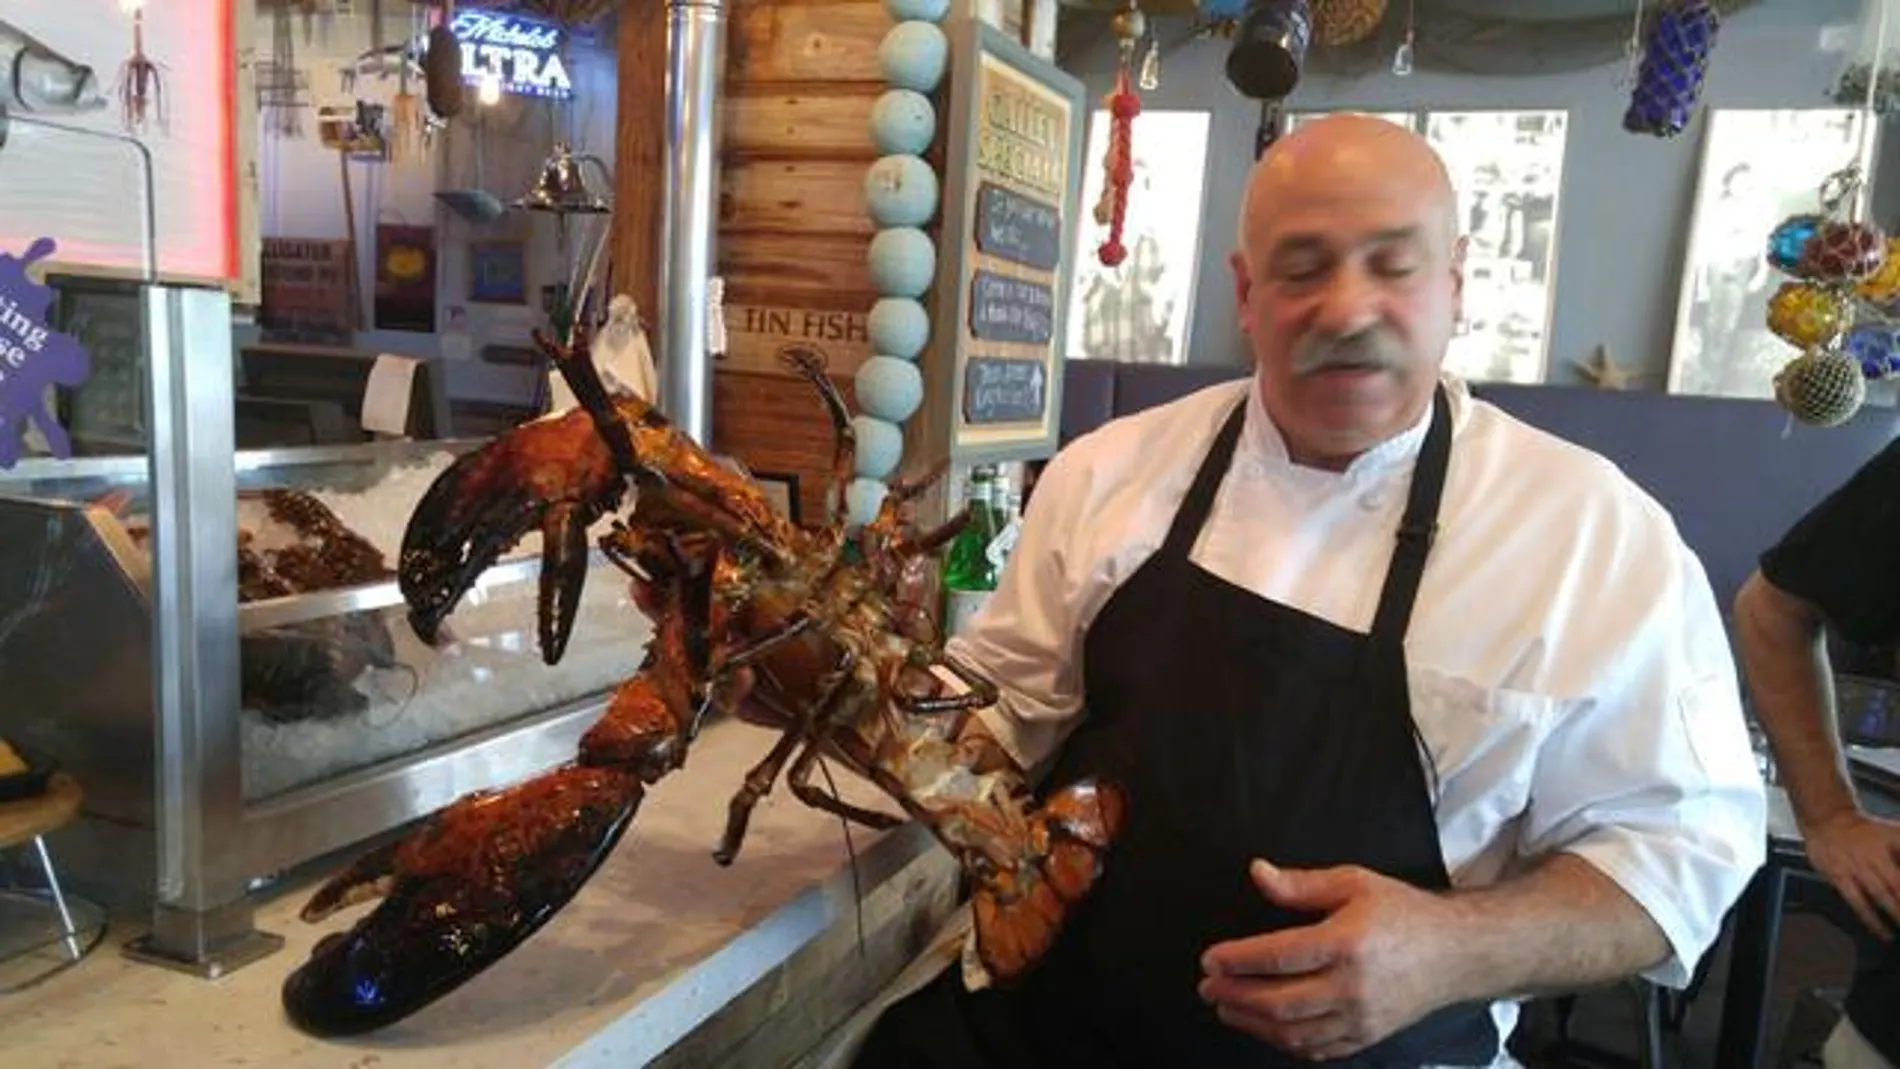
(1338,23)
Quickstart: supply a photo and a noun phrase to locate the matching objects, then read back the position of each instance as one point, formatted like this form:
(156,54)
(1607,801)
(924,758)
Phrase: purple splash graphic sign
(33,356)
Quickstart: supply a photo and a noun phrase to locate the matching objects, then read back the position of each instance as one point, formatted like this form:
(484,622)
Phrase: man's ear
(1458,249)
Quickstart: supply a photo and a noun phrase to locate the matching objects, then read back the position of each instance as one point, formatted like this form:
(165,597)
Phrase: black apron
(1240,728)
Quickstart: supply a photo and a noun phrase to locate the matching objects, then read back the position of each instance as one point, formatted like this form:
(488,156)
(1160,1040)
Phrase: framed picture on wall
(1507,169)
(497,272)
(1140,310)
(1759,166)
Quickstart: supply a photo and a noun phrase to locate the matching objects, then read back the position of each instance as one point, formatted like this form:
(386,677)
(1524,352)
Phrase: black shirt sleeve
(1844,555)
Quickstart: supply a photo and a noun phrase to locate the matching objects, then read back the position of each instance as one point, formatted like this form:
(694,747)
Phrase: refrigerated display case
(227,728)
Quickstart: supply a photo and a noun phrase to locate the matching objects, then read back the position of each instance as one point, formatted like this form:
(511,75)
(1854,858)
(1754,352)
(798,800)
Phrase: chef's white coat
(1568,665)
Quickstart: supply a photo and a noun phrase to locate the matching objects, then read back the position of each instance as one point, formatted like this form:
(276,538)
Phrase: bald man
(1419,710)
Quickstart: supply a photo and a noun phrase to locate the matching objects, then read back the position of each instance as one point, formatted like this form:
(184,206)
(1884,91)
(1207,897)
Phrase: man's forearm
(1561,927)
(1785,660)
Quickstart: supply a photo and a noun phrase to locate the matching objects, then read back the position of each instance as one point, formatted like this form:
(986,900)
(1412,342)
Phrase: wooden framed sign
(1012,202)
(756,334)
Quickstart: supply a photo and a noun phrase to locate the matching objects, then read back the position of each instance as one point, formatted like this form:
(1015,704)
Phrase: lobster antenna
(811,367)
(851,852)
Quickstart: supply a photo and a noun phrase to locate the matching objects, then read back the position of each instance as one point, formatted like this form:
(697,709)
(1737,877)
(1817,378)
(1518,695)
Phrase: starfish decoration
(1605,373)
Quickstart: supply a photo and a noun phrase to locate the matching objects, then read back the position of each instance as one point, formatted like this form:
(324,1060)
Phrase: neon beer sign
(523,53)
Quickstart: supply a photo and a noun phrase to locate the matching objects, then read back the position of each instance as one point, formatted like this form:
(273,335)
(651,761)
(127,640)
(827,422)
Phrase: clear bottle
(1006,502)
(969,576)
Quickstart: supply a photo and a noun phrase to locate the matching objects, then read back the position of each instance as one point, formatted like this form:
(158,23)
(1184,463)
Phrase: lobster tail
(1019,911)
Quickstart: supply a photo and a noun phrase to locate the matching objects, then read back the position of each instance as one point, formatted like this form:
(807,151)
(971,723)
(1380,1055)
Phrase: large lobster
(803,630)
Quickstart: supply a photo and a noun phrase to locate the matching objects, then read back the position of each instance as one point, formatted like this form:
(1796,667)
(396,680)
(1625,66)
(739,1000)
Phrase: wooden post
(639,157)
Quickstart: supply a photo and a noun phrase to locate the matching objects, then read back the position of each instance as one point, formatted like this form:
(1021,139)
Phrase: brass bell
(562,187)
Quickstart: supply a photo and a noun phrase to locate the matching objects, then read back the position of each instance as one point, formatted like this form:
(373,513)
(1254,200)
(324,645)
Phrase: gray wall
(1625,201)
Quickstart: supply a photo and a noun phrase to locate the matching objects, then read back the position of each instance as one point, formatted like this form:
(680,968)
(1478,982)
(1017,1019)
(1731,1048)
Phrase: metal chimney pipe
(696,63)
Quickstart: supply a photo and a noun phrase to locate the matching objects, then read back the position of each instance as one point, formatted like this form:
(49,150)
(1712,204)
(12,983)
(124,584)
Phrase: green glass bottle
(969,575)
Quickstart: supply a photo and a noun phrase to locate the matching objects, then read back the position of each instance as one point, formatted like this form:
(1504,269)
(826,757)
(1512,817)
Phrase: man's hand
(1860,856)
(1381,959)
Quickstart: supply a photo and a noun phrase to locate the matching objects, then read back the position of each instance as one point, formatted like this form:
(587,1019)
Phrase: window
(1140,311)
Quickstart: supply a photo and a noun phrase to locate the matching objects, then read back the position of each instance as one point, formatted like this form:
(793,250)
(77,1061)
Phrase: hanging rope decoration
(1839,307)
(1118,167)
(1675,57)
(901,192)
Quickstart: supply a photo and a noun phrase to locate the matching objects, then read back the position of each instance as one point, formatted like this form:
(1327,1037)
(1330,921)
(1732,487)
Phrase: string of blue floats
(901,193)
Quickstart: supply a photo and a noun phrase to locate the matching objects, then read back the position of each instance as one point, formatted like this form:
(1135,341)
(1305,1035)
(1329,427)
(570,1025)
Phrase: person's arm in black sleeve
(1843,557)
(1839,565)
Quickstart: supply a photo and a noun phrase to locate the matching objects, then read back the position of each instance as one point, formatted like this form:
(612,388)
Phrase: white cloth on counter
(620,353)
(1846,1048)
(1568,664)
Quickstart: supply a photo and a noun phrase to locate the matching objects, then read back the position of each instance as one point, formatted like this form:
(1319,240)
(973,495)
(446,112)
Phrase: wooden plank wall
(801,78)
(639,158)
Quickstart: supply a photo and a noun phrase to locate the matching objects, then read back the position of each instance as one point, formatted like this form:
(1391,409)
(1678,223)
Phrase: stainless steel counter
(664,959)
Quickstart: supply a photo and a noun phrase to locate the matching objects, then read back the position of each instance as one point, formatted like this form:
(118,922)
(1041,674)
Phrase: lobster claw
(485,875)
(555,475)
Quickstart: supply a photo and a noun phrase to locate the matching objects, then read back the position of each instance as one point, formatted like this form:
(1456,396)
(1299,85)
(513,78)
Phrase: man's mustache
(1374,349)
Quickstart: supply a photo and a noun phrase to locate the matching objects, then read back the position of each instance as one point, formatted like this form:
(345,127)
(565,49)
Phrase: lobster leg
(758,783)
(799,779)
(980,694)
(939,537)
(904,490)
(752,651)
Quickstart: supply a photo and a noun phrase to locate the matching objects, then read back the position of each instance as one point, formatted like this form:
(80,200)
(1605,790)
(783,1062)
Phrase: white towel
(621,354)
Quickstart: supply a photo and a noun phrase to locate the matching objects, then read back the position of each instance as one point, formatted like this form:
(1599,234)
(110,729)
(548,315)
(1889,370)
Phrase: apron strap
(1200,496)
(1417,529)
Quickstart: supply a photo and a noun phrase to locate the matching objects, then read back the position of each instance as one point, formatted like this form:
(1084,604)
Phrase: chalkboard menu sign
(1011,309)
(1011,226)
(1013,180)
(1004,391)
